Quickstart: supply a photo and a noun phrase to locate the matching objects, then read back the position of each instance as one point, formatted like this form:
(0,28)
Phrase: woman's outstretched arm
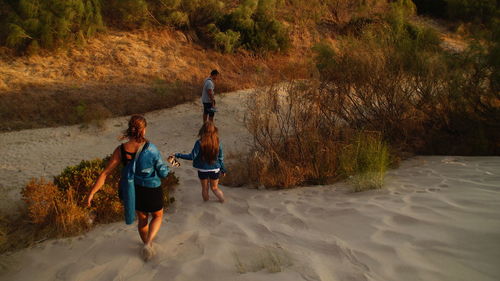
(192,155)
(113,163)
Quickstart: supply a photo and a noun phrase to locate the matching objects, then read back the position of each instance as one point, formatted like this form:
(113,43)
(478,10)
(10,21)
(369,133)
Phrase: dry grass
(120,73)
(364,159)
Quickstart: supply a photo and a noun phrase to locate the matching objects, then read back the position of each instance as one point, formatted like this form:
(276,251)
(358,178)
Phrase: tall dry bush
(297,140)
(70,217)
(40,197)
(54,210)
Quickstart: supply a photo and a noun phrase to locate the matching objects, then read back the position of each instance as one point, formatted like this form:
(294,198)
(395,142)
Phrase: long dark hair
(135,130)
(209,139)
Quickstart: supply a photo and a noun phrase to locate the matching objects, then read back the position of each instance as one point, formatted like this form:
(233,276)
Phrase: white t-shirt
(208,84)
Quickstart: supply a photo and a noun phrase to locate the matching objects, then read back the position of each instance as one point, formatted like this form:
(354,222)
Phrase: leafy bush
(178,19)
(226,41)
(393,79)
(396,79)
(48,24)
(28,26)
(80,179)
(258,29)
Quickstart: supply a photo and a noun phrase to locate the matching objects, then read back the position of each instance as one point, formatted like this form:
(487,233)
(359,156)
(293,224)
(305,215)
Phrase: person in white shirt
(208,96)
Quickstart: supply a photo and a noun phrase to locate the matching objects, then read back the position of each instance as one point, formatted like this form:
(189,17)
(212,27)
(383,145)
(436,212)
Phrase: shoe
(147,253)
(173,161)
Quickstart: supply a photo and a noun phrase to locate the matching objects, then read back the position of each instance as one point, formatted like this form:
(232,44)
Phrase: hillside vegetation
(84,60)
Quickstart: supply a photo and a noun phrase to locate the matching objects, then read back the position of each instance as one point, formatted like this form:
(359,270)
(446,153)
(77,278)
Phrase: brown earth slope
(120,73)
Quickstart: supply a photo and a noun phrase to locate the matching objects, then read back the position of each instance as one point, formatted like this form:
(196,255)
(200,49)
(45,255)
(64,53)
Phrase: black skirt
(148,199)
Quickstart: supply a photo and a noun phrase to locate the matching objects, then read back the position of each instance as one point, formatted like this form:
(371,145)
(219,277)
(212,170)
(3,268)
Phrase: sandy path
(437,219)
(46,152)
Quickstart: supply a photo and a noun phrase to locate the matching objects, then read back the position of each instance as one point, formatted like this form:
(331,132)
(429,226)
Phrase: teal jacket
(145,170)
(198,163)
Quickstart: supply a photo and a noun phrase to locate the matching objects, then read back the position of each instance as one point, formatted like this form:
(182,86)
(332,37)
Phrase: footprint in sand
(344,204)
(183,247)
(192,182)
(315,211)
(262,212)
(208,219)
(404,219)
(293,221)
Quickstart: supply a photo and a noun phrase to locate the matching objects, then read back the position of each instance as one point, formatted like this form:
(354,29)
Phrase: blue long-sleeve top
(145,170)
(198,163)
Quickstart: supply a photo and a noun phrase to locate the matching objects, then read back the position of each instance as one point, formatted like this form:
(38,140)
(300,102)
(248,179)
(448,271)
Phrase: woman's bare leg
(154,226)
(214,185)
(204,189)
(142,225)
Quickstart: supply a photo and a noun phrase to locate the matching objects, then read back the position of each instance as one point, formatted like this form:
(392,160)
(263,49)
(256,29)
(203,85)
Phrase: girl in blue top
(140,182)
(208,158)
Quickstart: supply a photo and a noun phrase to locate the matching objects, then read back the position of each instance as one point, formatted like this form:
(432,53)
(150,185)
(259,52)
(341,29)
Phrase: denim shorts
(206,175)
(207,109)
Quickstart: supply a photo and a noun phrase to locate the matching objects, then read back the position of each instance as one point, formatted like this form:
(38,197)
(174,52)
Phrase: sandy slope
(437,219)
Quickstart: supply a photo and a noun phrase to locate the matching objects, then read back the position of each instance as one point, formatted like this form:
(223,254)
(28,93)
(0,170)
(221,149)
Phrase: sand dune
(437,218)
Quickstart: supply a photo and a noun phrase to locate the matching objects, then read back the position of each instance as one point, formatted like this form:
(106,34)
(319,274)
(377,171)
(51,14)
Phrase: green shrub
(258,29)
(364,160)
(28,25)
(81,178)
(49,23)
(227,41)
(62,206)
(396,79)
(178,19)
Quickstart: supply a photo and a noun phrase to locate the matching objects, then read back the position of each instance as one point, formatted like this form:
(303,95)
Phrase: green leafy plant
(364,160)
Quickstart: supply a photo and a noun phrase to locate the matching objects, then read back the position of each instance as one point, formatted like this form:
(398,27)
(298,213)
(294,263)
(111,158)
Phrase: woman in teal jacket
(208,158)
(140,182)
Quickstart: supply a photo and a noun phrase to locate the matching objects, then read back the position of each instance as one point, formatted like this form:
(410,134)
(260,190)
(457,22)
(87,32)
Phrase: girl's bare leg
(214,185)
(154,226)
(204,189)
(142,225)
